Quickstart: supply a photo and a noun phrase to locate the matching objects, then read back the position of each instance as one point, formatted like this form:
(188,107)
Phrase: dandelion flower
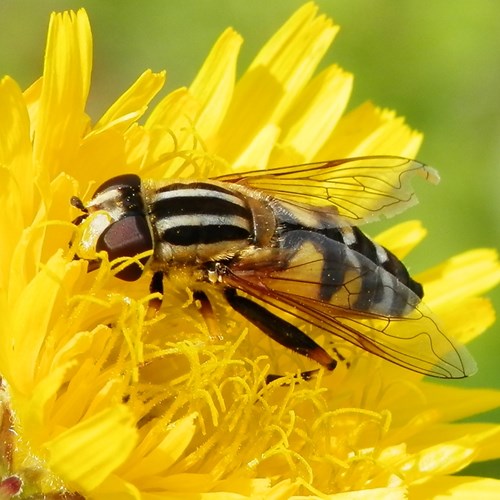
(107,402)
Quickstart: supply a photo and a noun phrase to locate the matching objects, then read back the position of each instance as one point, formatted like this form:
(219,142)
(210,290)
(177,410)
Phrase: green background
(436,63)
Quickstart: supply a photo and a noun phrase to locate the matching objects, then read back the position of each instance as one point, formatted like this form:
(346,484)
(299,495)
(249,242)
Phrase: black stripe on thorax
(204,235)
(196,185)
(202,205)
(197,213)
(199,198)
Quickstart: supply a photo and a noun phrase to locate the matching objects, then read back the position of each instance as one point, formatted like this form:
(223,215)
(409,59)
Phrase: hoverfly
(285,241)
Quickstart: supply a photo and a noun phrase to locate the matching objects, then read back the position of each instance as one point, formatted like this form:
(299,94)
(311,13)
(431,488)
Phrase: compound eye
(125,238)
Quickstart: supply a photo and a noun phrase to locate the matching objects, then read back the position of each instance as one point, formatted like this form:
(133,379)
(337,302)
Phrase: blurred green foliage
(436,63)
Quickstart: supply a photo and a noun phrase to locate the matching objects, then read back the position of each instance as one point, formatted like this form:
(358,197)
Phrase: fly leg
(280,331)
(207,312)
(156,286)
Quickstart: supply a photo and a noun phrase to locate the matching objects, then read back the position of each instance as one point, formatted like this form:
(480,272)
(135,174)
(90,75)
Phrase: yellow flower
(110,403)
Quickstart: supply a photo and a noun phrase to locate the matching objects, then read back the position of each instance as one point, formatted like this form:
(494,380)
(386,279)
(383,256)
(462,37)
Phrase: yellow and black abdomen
(343,267)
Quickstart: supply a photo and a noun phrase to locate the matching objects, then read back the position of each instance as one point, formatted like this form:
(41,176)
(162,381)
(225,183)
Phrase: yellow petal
(315,114)
(295,50)
(165,450)
(42,298)
(174,111)
(455,403)
(488,441)
(16,174)
(457,487)
(134,101)
(443,458)
(465,275)
(115,486)
(396,493)
(402,238)
(187,483)
(257,153)
(485,438)
(15,146)
(87,453)
(275,78)
(466,319)
(368,130)
(66,80)
(214,84)
(32,408)
(32,97)
(11,222)
(101,155)
(170,129)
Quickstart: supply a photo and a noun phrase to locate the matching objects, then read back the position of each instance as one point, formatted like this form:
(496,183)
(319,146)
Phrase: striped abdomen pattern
(374,278)
(380,291)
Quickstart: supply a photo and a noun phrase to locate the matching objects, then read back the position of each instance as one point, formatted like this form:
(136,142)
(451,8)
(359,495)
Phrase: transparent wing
(359,189)
(412,340)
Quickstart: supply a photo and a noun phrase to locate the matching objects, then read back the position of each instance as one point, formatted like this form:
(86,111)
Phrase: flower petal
(274,79)
(455,403)
(100,156)
(368,130)
(458,487)
(15,145)
(466,275)
(466,319)
(87,453)
(443,458)
(170,128)
(214,83)
(484,437)
(66,83)
(16,173)
(257,153)
(391,493)
(134,101)
(164,449)
(32,97)
(27,332)
(11,223)
(402,238)
(314,115)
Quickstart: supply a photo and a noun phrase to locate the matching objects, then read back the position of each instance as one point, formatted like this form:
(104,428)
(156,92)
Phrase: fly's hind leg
(306,375)
(280,331)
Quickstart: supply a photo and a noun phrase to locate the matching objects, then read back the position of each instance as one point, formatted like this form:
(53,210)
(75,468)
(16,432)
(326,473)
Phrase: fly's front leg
(156,286)
(280,331)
